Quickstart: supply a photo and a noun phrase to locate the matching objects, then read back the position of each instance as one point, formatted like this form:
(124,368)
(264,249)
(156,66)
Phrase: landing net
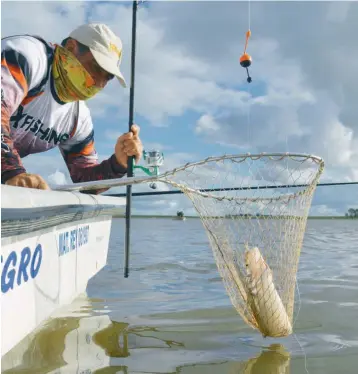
(255,230)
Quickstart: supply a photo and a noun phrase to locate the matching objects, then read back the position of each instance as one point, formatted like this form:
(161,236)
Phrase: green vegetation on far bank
(151,216)
(352,213)
(120,213)
(330,217)
(252,217)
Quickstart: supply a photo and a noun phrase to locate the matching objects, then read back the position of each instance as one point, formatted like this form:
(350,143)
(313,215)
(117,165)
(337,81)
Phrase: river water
(172,315)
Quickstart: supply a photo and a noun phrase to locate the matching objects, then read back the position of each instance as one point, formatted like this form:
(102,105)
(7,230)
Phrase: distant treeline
(244,216)
(352,213)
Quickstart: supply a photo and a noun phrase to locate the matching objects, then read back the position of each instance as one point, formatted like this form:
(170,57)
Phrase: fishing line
(249,119)
(248,90)
(304,353)
(294,322)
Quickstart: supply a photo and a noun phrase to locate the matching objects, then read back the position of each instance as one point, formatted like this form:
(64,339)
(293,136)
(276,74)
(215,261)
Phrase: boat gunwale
(18,221)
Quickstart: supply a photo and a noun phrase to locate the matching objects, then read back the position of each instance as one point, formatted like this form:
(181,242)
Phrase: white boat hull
(46,268)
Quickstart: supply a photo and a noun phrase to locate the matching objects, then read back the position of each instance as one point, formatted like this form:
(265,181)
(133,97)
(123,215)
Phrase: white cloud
(157,146)
(324,210)
(49,165)
(338,11)
(16,18)
(58,178)
(206,123)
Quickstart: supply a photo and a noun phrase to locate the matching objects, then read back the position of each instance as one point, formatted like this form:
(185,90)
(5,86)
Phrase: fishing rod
(130,158)
(174,192)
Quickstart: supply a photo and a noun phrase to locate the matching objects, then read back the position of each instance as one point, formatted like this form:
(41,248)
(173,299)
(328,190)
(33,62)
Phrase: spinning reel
(153,159)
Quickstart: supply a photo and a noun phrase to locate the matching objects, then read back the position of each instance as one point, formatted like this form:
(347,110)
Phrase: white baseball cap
(104,45)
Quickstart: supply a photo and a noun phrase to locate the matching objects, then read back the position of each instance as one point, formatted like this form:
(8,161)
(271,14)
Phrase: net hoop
(165,177)
(240,158)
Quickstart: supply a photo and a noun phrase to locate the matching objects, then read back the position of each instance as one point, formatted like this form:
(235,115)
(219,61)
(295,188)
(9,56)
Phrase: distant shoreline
(252,217)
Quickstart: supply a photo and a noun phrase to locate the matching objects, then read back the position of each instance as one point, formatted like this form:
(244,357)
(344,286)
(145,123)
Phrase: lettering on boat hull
(18,268)
(72,240)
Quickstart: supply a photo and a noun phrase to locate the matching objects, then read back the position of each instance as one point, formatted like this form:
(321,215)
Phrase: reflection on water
(275,360)
(172,315)
(95,344)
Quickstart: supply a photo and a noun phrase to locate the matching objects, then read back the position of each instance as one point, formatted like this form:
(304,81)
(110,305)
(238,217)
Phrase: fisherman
(43,91)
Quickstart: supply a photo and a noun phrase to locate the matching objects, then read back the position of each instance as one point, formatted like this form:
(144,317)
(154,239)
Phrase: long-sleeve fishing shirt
(34,120)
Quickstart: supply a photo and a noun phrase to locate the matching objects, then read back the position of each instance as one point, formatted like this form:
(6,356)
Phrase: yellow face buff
(72,81)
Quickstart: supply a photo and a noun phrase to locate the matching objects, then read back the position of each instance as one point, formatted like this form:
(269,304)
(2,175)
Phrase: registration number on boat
(72,240)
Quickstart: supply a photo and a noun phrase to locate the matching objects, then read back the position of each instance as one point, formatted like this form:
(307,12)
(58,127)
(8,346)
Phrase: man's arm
(14,88)
(23,66)
(82,162)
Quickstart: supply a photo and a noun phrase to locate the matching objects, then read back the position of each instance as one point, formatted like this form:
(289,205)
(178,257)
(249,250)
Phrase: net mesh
(255,221)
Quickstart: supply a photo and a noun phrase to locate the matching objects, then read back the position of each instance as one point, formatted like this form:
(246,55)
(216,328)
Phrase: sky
(192,99)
